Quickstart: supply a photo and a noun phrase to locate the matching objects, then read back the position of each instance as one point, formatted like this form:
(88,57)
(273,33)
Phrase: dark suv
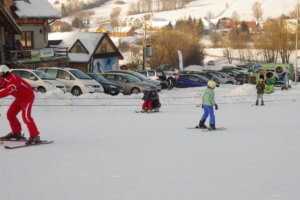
(109,87)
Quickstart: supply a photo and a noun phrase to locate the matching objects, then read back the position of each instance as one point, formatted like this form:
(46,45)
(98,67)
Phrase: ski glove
(216,107)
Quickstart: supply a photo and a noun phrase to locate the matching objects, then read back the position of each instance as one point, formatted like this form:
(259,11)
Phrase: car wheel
(114,94)
(76,91)
(135,91)
(41,89)
(170,83)
(229,82)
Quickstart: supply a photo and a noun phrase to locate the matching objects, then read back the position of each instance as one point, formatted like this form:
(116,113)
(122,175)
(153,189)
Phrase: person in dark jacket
(260,87)
(151,101)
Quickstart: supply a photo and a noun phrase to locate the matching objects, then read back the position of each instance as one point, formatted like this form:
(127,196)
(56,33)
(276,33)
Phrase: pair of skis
(221,128)
(24,145)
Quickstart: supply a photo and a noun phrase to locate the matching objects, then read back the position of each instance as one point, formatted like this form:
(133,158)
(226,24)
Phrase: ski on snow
(24,145)
(137,111)
(207,129)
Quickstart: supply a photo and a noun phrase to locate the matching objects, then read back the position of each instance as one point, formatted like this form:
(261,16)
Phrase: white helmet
(4,68)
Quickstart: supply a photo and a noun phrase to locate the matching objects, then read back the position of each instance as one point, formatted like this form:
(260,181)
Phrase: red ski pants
(14,109)
(147,104)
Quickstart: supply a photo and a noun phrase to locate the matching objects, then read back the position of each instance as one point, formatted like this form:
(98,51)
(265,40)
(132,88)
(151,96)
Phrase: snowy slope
(110,152)
(200,8)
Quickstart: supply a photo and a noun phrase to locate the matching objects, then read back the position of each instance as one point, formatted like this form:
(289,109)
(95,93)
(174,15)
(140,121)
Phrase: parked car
(76,81)
(139,76)
(190,80)
(40,81)
(156,75)
(240,77)
(170,73)
(109,87)
(131,84)
(203,73)
(222,77)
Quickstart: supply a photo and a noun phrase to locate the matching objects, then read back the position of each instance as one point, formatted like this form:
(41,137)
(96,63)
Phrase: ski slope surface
(104,150)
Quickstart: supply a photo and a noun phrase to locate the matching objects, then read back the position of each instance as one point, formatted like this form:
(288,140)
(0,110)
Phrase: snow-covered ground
(103,150)
(198,8)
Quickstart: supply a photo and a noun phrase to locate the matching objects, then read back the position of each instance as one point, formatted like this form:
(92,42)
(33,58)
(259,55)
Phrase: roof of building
(68,39)
(35,9)
(89,41)
(8,22)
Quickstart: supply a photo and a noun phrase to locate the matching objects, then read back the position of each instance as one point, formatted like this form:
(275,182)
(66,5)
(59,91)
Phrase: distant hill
(199,8)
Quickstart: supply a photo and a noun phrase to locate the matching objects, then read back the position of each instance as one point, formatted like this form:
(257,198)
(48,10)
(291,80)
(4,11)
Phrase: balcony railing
(37,55)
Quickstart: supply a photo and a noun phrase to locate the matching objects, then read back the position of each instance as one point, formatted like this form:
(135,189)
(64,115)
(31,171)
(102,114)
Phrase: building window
(27,39)
(103,48)
(79,49)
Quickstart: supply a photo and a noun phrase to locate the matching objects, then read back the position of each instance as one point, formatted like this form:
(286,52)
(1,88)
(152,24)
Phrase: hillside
(200,8)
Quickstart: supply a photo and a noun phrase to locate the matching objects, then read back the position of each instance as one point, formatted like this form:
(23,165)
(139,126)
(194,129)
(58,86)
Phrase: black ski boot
(201,125)
(212,127)
(262,103)
(33,140)
(256,103)
(13,136)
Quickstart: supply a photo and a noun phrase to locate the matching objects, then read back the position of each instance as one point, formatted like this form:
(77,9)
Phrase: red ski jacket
(17,87)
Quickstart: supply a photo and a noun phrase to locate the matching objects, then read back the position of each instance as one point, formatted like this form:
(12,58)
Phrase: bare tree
(293,13)
(209,15)
(115,17)
(257,11)
(235,16)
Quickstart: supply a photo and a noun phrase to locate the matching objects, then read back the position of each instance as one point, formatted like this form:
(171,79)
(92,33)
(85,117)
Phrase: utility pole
(144,43)
(296,63)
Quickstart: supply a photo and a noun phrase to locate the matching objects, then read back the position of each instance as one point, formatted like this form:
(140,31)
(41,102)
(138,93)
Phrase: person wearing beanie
(208,104)
(11,84)
(260,88)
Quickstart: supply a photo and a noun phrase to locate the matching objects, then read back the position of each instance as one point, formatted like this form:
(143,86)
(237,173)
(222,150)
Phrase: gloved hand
(216,107)
(202,106)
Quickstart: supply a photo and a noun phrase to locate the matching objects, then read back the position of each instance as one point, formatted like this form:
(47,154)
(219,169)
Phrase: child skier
(260,87)
(151,101)
(208,104)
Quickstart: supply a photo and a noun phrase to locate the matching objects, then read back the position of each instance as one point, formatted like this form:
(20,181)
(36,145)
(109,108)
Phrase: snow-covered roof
(159,22)
(193,68)
(35,9)
(88,39)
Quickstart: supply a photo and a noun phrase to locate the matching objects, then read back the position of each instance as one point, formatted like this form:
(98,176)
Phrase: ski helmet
(211,84)
(5,70)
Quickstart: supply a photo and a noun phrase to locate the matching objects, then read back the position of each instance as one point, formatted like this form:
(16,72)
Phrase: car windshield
(202,77)
(218,75)
(159,73)
(139,76)
(43,75)
(132,78)
(100,78)
(80,75)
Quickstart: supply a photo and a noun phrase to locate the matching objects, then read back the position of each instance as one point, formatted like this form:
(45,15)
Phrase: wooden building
(89,52)
(24,27)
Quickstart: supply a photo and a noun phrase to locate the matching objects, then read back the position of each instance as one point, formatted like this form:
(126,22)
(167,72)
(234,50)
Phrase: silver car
(75,80)
(131,84)
(39,80)
(223,78)
(143,78)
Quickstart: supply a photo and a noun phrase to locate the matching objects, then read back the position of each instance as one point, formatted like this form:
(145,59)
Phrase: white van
(39,80)
(76,81)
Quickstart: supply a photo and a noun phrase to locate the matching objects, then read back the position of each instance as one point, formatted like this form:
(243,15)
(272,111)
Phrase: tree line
(144,6)
(74,6)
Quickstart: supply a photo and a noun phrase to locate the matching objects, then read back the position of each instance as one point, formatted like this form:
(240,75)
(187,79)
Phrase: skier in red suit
(11,84)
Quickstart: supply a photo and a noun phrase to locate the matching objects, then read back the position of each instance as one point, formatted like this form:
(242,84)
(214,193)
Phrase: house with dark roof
(88,51)
(24,27)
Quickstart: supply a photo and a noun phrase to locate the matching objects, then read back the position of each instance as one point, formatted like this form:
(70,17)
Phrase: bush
(166,44)
(119,2)
(123,46)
